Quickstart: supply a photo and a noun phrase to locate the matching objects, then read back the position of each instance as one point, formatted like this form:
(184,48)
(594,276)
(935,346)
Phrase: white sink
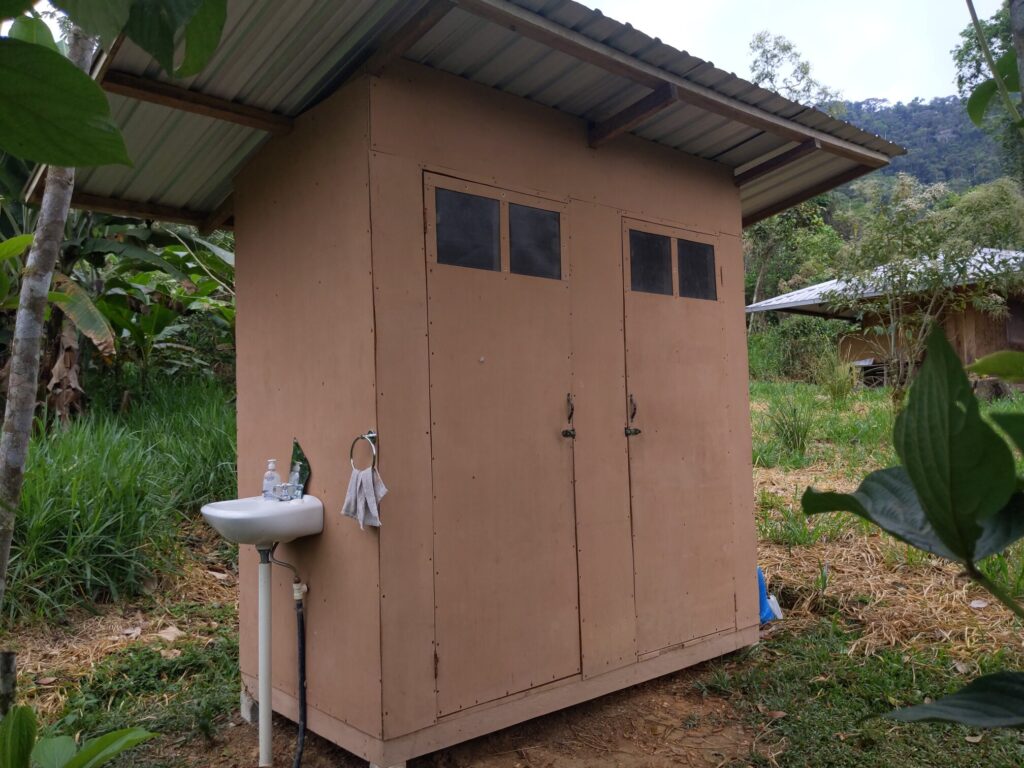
(264,522)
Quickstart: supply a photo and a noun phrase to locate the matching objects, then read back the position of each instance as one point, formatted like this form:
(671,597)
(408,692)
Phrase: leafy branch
(955,495)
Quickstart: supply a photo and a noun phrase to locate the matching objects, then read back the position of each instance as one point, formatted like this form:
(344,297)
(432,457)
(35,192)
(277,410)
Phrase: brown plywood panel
(306,369)
(737,421)
(506,606)
(681,488)
(605,551)
(480,133)
(403,404)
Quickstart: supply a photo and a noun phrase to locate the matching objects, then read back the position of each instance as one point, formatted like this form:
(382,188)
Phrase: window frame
(674,234)
(434,181)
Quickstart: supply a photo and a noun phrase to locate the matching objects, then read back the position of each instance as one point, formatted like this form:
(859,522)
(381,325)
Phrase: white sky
(888,49)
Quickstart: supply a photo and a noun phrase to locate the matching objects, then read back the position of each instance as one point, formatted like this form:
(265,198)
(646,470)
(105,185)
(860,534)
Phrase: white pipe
(266,709)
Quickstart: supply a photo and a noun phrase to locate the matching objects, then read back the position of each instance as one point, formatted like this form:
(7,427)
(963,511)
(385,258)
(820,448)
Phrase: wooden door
(506,596)
(679,476)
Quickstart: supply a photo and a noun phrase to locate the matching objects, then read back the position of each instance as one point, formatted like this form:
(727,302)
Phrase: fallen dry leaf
(979,604)
(132,633)
(170,634)
(973,739)
(961,667)
(170,653)
(220,576)
(46,680)
(776,714)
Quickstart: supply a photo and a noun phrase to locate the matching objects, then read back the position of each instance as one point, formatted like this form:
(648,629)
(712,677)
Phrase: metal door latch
(569,433)
(630,431)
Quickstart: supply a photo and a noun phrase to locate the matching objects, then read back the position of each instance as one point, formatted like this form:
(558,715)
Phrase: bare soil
(659,724)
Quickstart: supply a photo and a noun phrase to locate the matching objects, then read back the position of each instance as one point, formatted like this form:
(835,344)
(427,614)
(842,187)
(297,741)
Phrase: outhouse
(505,236)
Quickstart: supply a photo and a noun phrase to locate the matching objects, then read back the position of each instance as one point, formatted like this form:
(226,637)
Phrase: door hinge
(437,662)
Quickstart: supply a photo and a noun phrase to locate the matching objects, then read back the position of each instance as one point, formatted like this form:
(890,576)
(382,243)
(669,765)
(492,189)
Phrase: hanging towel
(362,502)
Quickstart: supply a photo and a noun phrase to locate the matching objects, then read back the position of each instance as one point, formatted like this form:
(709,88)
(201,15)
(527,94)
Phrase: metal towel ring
(371,438)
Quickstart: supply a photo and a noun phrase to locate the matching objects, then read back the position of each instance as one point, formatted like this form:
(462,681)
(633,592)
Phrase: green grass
(176,695)
(832,700)
(853,432)
(103,497)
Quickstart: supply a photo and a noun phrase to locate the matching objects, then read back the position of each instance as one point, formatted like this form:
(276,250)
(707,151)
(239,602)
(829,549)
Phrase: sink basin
(263,522)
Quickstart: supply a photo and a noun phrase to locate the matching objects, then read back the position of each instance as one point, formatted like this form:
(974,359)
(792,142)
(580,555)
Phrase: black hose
(300,741)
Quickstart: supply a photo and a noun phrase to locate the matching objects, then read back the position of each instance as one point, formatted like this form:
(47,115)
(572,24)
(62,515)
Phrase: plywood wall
(306,369)
(425,121)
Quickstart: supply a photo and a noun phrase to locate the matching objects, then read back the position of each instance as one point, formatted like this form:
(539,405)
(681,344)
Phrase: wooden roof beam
(425,19)
(579,46)
(176,97)
(777,162)
(820,188)
(221,214)
(624,121)
(137,209)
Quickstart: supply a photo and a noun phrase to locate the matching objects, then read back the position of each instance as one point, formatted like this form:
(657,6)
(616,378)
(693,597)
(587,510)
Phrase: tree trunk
(1017,27)
(22,386)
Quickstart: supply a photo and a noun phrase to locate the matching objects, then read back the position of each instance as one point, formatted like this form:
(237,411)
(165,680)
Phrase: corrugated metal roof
(818,299)
(285,57)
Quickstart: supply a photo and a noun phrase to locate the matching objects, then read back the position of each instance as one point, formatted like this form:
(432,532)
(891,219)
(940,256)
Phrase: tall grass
(791,421)
(835,376)
(103,497)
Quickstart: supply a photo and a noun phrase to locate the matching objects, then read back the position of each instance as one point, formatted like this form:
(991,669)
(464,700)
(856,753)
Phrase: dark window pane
(467,230)
(650,262)
(697,270)
(534,242)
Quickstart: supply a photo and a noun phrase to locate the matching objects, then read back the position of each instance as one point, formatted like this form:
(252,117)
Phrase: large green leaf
(980,98)
(80,309)
(14,246)
(992,701)
(30,29)
(202,36)
(1013,425)
(103,749)
(103,19)
(17,735)
(1006,364)
(11,8)
(52,112)
(221,253)
(54,752)
(129,251)
(156,320)
(152,24)
(887,498)
(962,470)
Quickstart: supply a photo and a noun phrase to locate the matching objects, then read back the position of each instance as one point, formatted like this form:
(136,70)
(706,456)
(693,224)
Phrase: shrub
(103,497)
(791,348)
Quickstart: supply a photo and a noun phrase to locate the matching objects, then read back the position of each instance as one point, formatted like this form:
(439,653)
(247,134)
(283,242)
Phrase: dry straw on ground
(900,600)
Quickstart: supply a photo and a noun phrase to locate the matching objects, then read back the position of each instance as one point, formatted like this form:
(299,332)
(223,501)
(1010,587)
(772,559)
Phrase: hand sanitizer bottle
(293,481)
(270,479)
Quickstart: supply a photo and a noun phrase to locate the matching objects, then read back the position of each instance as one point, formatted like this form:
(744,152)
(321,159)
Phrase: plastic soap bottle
(270,479)
(294,482)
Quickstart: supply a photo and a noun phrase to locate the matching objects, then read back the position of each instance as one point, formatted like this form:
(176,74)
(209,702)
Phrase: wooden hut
(507,237)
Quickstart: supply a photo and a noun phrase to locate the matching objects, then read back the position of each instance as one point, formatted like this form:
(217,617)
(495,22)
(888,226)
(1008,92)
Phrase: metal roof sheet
(284,57)
(817,299)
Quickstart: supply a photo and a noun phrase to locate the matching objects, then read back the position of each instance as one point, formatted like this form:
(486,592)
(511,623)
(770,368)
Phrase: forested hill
(942,143)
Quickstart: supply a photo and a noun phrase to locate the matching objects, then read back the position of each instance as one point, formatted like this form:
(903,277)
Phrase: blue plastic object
(765,610)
